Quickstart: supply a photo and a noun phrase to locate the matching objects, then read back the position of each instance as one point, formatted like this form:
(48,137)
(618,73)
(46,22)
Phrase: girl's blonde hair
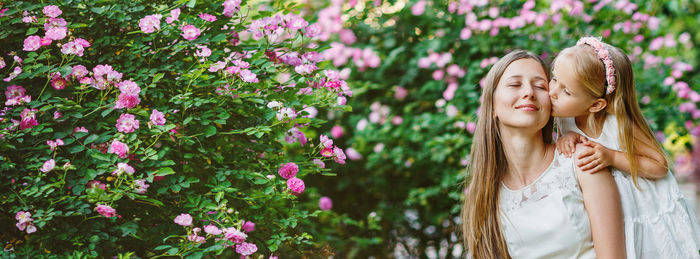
(622,102)
(481,226)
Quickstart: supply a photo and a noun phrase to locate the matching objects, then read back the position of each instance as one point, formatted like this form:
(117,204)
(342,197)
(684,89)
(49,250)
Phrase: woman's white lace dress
(658,222)
(547,219)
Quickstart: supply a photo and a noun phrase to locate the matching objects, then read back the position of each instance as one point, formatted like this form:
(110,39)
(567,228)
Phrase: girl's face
(569,97)
(521,99)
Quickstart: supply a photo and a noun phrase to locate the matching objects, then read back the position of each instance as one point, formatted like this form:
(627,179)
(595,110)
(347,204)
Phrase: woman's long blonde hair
(622,102)
(481,226)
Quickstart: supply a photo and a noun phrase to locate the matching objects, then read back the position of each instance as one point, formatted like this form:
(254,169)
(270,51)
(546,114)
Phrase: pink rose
(183,219)
(123,168)
(325,203)
(157,118)
(119,148)
(248,226)
(32,43)
(106,210)
(127,123)
(246,249)
(296,185)
(235,235)
(52,11)
(190,32)
(288,170)
(150,23)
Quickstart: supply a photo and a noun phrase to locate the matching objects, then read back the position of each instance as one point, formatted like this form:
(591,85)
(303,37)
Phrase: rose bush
(414,110)
(157,128)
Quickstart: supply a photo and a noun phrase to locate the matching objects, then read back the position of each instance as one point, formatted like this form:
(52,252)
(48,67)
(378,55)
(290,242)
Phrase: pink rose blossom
(246,249)
(325,141)
(353,154)
(157,118)
(231,7)
(150,23)
(28,118)
(57,33)
(17,70)
(248,226)
(52,11)
(313,30)
(58,82)
(296,22)
(337,131)
(48,166)
(79,71)
(119,148)
(80,129)
(418,8)
(123,168)
(288,170)
(190,32)
(325,203)
(141,186)
(202,51)
(183,219)
(174,15)
(29,19)
(32,43)
(235,235)
(23,217)
(207,17)
(127,123)
(248,76)
(106,210)
(339,155)
(96,184)
(54,143)
(212,230)
(471,127)
(296,185)
(195,238)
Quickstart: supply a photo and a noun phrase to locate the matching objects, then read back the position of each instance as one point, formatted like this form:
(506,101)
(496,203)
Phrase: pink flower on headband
(604,56)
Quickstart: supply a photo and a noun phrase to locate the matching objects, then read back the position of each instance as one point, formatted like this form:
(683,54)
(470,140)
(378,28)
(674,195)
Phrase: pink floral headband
(604,56)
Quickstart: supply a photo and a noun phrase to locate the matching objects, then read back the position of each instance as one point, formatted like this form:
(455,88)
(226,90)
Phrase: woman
(524,199)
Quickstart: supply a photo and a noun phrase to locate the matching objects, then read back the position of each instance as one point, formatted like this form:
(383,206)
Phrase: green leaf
(162,247)
(76,149)
(209,131)
(91,139)
(191,3)
(66,70)
(164,171)
(106,112)
(32,30)
(157,78)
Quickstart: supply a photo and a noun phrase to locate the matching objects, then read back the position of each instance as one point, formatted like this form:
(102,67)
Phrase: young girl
(592,91)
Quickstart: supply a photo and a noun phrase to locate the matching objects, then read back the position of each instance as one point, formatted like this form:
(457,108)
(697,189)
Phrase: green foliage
(215,158)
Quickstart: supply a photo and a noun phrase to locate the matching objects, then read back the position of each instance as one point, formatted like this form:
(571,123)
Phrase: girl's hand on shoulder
(594,158)
(566,144)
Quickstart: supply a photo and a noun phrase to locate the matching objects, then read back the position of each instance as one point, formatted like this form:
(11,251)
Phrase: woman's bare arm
(602,201)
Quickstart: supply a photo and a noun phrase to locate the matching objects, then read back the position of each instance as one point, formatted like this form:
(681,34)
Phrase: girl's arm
(652,164)
(602,201)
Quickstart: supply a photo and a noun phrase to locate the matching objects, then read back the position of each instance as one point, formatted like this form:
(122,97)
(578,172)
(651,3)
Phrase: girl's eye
(514,84)
(566,91)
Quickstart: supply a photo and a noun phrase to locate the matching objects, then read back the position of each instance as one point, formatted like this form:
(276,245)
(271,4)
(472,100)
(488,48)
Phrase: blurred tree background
(413,114)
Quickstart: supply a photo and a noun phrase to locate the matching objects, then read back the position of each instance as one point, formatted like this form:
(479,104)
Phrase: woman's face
(521,99)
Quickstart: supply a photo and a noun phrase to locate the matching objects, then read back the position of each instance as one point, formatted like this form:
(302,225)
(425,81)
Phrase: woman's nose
(528,91)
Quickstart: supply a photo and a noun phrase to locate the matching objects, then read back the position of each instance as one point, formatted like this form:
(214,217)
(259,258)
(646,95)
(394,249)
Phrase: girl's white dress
(547,219)
(658,222)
